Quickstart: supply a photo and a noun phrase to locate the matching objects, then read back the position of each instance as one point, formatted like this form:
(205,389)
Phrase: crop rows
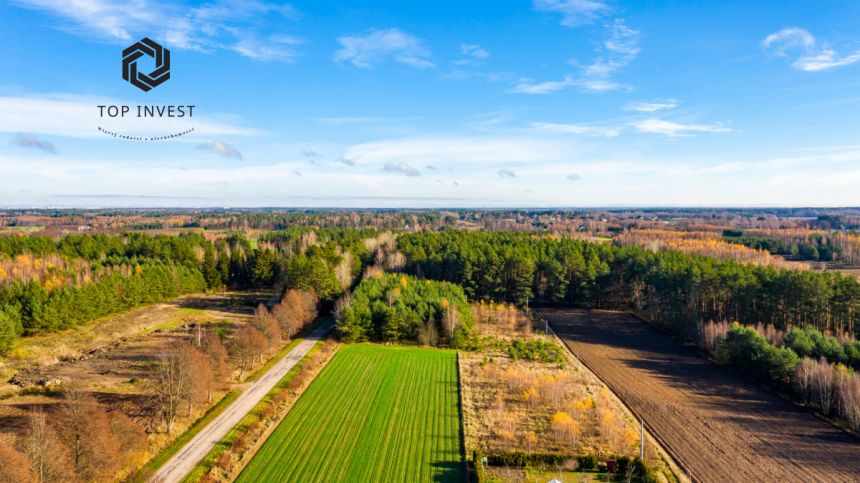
(374,414)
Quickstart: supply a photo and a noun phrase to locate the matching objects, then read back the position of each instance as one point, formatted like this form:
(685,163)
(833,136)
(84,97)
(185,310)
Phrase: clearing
(375,413)
(718,426)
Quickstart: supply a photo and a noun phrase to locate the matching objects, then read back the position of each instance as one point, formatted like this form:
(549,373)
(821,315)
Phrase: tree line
(671,288)
(118,272)
(802,363)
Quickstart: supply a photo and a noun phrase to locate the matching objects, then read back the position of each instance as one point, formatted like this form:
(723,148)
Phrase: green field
(374,414)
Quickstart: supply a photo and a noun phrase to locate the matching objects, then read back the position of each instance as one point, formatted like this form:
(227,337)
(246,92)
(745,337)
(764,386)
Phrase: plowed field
(719,426)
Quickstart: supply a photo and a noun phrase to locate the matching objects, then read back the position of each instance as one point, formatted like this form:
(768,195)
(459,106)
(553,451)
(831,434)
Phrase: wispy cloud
(581,129)
(506,173)
(219,25)
(30,141)
(345,161)
(357,120)
(674,129)
(401,168)
(652,105)
(528,86)
(617,51)
(378,46)
(474,55)
(222,149)
(574,12)
(275,47)
(573,177)
(809,54)
(445,150)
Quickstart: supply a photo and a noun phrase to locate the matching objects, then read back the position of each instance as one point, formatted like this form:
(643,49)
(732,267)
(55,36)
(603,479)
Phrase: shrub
(587,462)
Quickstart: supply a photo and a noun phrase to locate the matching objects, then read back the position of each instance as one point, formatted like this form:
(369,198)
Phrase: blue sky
(424,104)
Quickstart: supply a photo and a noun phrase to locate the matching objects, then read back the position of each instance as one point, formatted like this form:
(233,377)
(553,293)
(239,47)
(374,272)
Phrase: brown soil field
(719,426)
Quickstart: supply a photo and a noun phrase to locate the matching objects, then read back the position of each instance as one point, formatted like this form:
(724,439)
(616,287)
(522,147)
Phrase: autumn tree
(100,442)
(268,325)
(15,467)
(184,377)
(82,424)
(203,382)
(565,428)
(246,347)
(215,351)
(49,458)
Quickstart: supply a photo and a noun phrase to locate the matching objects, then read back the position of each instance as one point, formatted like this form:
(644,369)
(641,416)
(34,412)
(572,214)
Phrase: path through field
(175,469)
(719,426)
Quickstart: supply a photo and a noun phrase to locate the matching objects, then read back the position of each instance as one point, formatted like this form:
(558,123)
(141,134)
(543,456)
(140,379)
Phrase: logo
(146,82)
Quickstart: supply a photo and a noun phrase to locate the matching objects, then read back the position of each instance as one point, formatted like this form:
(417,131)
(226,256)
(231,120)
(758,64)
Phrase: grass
(252,417)
(168,451)
(375,413)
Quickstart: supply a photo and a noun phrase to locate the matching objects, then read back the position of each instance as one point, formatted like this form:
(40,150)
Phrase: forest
(54,283)
(393,308)
(676,289)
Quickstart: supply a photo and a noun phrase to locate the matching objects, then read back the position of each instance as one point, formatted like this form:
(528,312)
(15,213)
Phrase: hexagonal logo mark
(146,82)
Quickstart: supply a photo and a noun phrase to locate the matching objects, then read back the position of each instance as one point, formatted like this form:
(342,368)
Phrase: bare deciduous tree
(49,458)
(175,384)
(246,347)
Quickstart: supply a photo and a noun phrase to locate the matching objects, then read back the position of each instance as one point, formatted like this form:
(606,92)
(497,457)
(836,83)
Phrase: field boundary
(667,455)
(693,348)
(463,450)
(250,452)
(179,467)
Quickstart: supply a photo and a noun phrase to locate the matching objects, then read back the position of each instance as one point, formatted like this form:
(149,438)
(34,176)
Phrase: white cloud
(358,120)
(473,50)
(527,86)
(582,129)
(652,105)
(809,55)
(619,50)
(573,177)
(673,129)
(401,168)
(276,47)
(475,55)
(221,148)
(220,25)
(30,141)
(574,12)
(78,116)
(506,173)
(445,151)
(377,46)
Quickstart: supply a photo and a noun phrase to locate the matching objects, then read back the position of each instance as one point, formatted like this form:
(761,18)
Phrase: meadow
(375,413)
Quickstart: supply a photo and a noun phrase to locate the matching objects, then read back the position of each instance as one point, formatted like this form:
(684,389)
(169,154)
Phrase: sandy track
(719,426)
(175,469)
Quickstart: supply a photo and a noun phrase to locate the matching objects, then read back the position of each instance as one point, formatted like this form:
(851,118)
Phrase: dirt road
(175,469)
(718,426)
